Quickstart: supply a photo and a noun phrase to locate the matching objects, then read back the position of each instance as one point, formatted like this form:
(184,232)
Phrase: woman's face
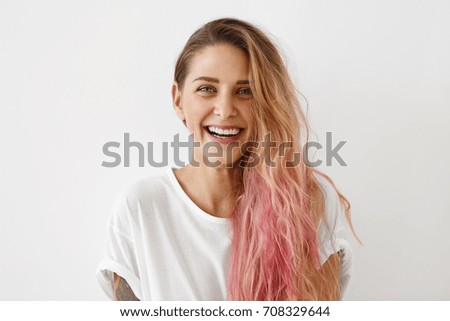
(216,103)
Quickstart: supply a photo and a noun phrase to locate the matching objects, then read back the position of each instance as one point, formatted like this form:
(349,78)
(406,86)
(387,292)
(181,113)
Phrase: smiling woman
(215,99)
(232,231)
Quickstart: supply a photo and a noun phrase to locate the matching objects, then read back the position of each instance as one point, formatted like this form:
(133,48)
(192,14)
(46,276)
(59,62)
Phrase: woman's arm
(122,290)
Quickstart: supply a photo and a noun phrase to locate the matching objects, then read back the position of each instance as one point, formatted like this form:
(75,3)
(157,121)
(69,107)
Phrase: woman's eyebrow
(210,79)
(215,80)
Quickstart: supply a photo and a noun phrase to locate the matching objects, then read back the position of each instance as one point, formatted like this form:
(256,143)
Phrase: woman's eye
(245,91)
(206,89)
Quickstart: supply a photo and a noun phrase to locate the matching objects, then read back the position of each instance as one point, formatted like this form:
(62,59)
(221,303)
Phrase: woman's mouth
(224,135)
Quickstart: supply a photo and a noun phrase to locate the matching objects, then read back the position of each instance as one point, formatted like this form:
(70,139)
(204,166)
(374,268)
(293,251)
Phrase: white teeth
(219,131)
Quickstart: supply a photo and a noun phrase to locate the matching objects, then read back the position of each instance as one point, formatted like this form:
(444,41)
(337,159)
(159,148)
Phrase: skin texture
(122,290)
(220,97)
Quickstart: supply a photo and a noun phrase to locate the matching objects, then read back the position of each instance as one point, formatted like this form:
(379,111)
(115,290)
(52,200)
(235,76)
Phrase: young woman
(241,221)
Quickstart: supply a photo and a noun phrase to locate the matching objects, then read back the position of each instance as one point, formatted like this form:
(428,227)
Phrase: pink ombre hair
(276,216)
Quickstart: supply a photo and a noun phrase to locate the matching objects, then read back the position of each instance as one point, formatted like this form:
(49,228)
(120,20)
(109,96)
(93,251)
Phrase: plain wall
(77,74)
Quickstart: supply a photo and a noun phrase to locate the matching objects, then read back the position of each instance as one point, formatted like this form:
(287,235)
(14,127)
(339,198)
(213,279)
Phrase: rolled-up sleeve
(334,235)
(120,252)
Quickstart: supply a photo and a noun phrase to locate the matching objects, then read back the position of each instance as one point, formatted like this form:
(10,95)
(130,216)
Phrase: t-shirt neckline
(187,200)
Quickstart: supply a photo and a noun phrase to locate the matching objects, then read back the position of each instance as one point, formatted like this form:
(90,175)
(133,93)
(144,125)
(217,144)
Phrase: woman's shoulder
(153,184)
(328,189)
(334,222)
(143,193)
(143,198)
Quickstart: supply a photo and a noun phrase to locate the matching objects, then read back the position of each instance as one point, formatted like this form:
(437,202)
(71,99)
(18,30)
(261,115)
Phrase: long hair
(274,253)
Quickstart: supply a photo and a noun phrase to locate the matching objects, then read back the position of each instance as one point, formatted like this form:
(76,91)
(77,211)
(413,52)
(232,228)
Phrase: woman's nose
(224,107)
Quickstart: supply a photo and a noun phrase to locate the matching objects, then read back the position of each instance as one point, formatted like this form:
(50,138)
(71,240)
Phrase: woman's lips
(223,129)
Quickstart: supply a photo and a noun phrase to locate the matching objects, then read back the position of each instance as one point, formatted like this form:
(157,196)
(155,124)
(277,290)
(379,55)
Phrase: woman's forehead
(221,62)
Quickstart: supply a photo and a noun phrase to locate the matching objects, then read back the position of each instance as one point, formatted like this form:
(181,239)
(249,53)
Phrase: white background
(77,74)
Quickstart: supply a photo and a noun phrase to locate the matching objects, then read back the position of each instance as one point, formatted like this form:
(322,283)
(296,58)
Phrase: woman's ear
(176,100)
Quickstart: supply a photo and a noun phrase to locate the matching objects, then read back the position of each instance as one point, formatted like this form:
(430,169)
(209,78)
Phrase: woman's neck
(214,190)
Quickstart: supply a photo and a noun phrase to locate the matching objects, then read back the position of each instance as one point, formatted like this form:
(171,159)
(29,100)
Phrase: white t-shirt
(167,248)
